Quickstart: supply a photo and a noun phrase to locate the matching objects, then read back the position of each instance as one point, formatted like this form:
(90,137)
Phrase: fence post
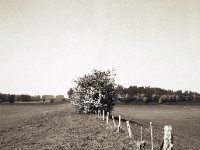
(168,138)
(151,128)
(118,127)
(107,117)
(114,123)
(96,113)
(103,115)
(141,145)
(141,134)
(99,113)
(129,129)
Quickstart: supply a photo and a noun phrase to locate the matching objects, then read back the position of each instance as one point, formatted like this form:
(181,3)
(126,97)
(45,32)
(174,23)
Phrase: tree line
(98,91)
(11,98)
(152,94)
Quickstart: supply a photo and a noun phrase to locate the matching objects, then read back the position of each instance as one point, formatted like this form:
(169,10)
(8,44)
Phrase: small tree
(25,98)
(94,91)
(11,98)
(70,93)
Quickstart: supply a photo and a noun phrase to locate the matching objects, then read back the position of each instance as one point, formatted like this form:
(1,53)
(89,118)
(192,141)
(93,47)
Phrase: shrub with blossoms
(94,91)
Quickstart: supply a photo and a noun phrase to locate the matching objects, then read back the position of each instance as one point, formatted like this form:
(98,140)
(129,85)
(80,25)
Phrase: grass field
(59,126)
(55,127)
(184,119)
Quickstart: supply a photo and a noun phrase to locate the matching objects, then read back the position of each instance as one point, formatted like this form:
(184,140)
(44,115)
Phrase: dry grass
(61,127)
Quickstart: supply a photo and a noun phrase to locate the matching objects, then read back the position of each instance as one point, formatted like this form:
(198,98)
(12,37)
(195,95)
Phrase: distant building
(35,98)
(59,97)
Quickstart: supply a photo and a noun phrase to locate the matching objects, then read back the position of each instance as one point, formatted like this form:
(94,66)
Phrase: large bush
(94,91)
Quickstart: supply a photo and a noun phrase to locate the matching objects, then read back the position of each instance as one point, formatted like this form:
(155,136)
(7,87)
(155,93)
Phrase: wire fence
(139,136)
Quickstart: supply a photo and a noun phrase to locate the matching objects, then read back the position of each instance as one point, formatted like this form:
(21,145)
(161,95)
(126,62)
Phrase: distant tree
(154,97)
(11,98)
(163,98)
(172,98)
(179,92)
(3,97)
(120,91)
(194,97)
(70,93)
(145,99)
(25,98)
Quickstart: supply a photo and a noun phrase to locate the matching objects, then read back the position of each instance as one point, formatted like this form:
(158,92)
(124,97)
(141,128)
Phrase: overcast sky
(45,44)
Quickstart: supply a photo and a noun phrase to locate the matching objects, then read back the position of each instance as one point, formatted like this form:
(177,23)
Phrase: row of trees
(28,98)
(98,90)
(150,94)
(13,97)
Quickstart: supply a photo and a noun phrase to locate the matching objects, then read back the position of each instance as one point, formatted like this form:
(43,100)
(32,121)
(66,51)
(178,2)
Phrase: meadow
(59,126)
(185,120)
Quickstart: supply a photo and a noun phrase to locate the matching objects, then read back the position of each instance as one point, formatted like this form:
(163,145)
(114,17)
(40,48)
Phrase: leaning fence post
(129,129)
(103,115)
(118,127)
(168,138)
(151,135)
(107,117)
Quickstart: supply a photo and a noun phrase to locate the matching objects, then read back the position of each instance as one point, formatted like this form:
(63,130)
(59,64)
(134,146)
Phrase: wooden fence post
(141,134)
(114,123)
(141,145)
(95,114)
(103,115)
(99,113)
(107,117)
(129,129)
(118,127)
(138,145)
(168,138)
(151,128)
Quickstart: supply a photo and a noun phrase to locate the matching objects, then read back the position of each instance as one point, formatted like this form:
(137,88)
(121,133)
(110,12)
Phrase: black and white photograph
(99,74)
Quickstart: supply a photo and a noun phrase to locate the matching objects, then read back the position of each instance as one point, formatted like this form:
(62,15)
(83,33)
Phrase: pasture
(185,120)
(59,126)
(54,127)
(11,113)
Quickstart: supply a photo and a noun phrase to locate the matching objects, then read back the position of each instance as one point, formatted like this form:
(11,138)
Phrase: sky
(46,44)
